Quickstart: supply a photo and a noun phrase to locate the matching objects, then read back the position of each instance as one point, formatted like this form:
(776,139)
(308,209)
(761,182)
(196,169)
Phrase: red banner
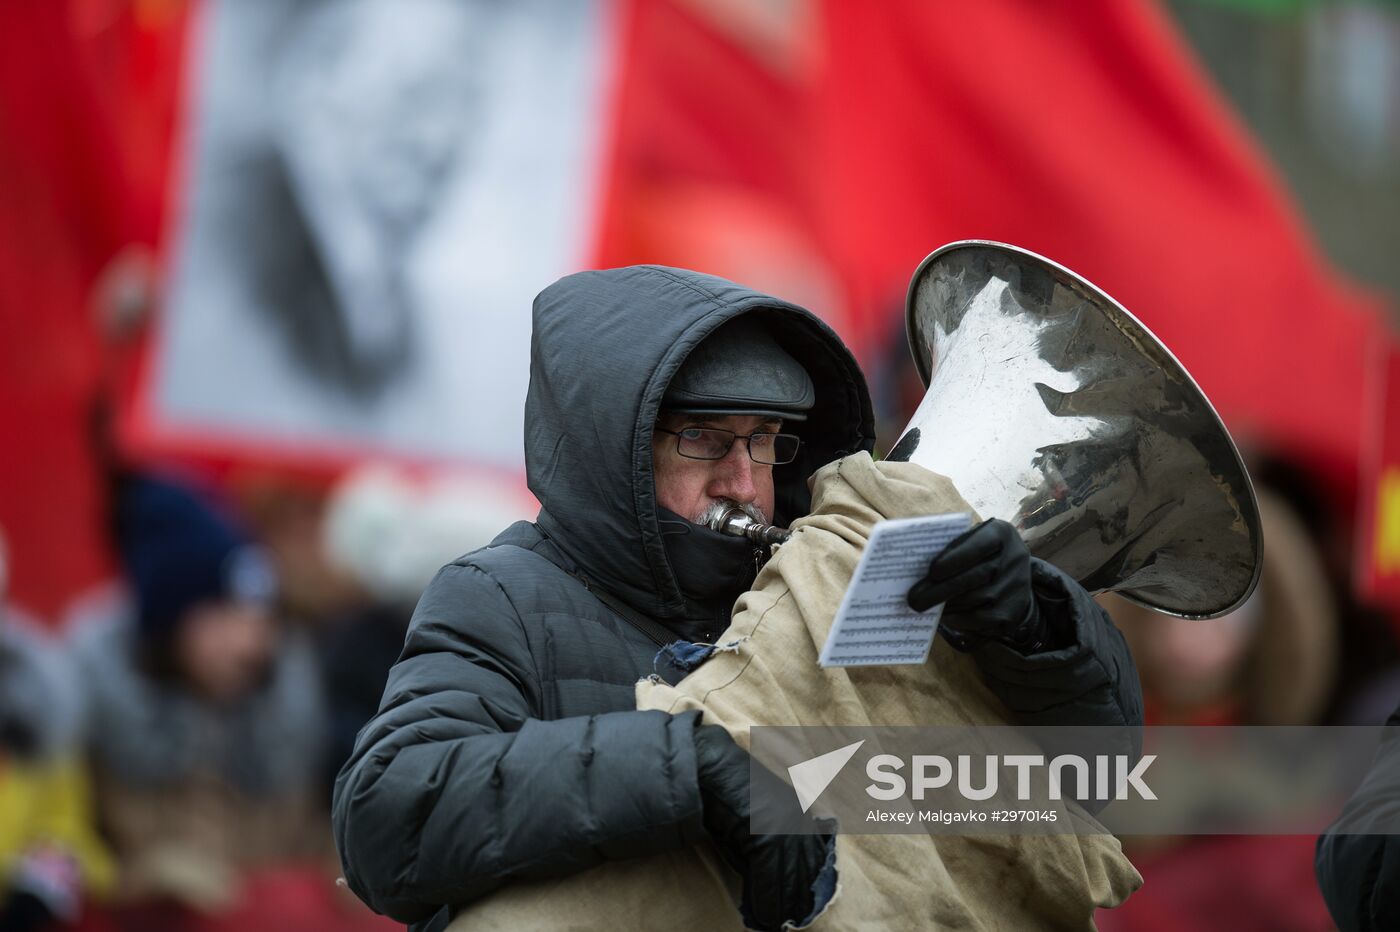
(1378,551)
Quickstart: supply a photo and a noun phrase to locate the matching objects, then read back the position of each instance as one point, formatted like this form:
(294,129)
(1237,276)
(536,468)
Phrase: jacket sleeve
(1086,678)
(454,788)
(1359,874)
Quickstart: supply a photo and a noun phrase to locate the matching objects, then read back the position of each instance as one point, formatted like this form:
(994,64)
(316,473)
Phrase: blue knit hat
(180,552)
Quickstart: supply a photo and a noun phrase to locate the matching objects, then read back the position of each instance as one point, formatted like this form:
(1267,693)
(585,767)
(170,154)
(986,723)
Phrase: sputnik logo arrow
(811,777)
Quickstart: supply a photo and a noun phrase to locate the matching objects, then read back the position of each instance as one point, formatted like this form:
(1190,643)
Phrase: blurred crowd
(1300,651)
(167,750)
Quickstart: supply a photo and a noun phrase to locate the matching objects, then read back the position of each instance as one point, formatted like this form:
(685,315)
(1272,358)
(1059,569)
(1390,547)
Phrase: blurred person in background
(354,632)
(52,861)
(508,745)
(203,717)
(1273,661)
(390,530)
(1366,685)
(1359,874)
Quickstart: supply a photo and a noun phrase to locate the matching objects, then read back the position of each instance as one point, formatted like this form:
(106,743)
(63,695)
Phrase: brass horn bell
(1051,406)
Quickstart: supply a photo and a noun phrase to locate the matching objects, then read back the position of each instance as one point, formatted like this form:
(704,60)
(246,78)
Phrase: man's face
(690,486)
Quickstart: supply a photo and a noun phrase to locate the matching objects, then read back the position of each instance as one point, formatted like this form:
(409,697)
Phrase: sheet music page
(875,625)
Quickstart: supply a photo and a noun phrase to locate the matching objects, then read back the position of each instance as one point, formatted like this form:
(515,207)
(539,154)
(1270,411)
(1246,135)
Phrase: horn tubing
(737,524)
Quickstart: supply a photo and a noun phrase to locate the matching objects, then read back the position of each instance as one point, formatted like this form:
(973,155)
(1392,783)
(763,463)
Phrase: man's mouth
(720,506)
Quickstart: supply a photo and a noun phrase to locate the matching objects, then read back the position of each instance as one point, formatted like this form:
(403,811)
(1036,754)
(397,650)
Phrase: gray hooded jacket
(507,745)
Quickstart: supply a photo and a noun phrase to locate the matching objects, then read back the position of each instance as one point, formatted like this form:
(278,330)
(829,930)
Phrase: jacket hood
(604,348)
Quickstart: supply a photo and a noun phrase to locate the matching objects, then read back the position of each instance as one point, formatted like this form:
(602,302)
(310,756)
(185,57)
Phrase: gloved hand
(778,870)
(983,577)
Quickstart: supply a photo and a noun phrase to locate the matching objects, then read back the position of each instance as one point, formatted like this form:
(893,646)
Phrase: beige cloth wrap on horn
(885,882)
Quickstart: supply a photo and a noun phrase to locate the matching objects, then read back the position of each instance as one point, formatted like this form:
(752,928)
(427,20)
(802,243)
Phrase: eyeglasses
(711,443)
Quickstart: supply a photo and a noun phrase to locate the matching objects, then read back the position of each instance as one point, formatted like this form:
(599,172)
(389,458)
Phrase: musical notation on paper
(874,624)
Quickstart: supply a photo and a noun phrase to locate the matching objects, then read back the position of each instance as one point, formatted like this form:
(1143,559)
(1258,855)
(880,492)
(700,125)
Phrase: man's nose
(733,476)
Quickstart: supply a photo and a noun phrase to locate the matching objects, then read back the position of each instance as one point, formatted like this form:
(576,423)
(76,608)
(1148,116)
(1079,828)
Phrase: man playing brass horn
(509,747)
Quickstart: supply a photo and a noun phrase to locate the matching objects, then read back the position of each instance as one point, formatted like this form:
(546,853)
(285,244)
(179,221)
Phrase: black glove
(778,870)
(983,577)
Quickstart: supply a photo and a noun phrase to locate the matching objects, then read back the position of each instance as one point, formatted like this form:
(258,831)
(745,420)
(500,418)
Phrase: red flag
(1085,131)
(86,97)
(59,224)
(708,165)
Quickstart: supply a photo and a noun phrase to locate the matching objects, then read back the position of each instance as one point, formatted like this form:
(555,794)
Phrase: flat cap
(741,369)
